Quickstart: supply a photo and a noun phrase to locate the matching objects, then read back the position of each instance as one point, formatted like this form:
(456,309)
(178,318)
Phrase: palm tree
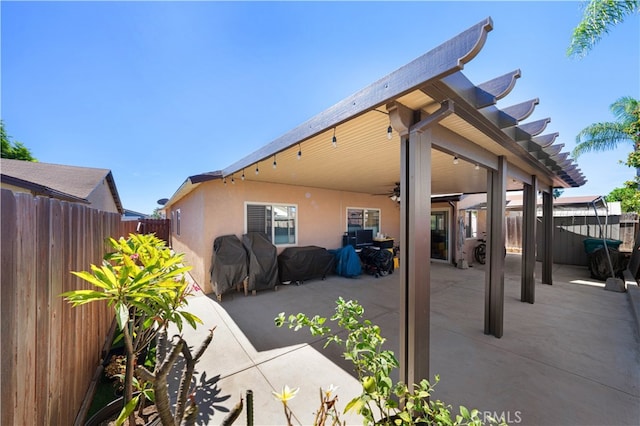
(606,136)
(599,16)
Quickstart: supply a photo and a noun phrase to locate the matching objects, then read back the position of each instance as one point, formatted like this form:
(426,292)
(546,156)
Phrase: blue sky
(158,91)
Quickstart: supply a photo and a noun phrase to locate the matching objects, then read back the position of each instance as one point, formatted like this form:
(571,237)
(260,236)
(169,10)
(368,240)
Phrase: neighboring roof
(131,213)
(40,189)
(71,183)
(562,206)
(462,118)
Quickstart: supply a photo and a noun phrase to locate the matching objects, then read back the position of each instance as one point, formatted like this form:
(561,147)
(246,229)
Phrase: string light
(299,152)
(477,167)
(389,129)
(233,181)
(224,180)
(274,161)
(455,160)
(257,170)
(242,177)
(334,140)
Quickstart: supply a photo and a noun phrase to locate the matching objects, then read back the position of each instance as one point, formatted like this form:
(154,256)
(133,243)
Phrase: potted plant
(144,282)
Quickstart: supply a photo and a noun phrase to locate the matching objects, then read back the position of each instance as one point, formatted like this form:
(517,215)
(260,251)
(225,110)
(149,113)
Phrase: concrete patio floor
(572,358)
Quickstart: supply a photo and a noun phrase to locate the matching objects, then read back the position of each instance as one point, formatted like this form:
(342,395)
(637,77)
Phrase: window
(177,221)
(363,218)
(278,222)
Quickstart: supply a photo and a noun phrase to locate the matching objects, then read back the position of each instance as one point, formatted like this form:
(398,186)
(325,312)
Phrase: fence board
(26,311)
(42,297)
(58,274)
(8,379)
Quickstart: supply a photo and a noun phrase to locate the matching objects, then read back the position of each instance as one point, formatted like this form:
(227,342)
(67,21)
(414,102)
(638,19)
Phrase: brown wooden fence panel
(569,233)
(50,350)
(160,227)
(8,319)
(513,234)
(129,227)
(26,313)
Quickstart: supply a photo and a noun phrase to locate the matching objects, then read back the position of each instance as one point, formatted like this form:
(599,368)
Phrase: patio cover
(437,115)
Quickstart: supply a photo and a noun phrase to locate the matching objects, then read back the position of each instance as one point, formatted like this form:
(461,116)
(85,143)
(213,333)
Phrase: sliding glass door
(440,235)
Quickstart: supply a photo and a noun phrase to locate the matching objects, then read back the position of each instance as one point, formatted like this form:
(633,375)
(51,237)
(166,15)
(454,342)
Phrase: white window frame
(273,227)
(375,231)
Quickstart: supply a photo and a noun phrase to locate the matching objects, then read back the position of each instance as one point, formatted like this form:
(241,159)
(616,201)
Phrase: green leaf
(122,315)
(128,409)
(91,278)
(405,416)
(191,319)
(464,412)
(355,404)
(80,297)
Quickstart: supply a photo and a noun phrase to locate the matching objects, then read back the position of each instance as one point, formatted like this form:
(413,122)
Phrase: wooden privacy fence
(569,233)
(160,227)
(49,349)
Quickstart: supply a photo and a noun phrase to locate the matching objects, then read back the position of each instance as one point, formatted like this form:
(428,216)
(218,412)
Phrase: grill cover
(229,263)
(263,261)
(304,263)
(347,262)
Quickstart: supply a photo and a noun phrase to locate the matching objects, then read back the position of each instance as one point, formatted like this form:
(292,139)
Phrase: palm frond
(625,109)
(600,137)
(598,19)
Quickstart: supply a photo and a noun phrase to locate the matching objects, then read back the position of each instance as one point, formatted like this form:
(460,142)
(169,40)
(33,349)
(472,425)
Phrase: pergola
(438,117)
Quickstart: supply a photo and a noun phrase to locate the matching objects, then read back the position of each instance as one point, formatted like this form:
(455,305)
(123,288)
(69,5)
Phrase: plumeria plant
(381,402)
(143,281)
(327,412)
(285,396)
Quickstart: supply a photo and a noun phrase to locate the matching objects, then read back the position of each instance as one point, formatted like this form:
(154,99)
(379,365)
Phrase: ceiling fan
(394,193)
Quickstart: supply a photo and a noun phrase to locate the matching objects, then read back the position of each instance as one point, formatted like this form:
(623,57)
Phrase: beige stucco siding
(191,241)
(101,198)
(14,188)
(214,209)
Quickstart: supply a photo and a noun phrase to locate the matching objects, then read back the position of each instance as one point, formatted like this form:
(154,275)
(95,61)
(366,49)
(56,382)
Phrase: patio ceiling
(477,132)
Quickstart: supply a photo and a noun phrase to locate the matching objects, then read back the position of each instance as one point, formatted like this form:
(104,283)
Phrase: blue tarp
(347,261)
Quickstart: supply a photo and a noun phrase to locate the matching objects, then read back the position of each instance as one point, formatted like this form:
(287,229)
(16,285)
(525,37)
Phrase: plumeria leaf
(128,409)
(355,404)
(122,315)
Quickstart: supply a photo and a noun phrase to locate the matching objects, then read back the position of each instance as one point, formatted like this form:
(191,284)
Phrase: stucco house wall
(14,188)
(214,209)
(101,198)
